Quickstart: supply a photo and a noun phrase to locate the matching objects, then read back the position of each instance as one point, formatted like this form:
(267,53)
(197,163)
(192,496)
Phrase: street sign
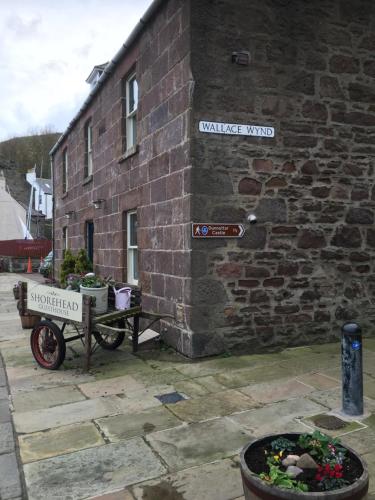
(209,230)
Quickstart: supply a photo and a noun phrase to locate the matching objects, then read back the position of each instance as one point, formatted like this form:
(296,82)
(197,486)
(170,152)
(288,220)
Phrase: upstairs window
(65,171)
(131,106)
(88,148)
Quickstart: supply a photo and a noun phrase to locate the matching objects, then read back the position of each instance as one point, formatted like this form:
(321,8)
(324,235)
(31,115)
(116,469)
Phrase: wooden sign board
(64,304)
(209,230)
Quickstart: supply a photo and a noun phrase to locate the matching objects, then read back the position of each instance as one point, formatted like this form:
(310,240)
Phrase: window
(65,171)
(88,148)
(90,240)
(131,105)
(65,240)
(132,247)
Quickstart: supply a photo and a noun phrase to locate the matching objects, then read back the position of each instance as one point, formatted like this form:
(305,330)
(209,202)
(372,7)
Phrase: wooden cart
(48,342)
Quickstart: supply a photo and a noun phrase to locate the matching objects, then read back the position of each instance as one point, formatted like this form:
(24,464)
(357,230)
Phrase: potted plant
(93,285)
(302,466)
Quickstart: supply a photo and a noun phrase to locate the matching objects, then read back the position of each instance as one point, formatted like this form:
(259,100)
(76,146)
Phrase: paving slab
(6,438)
(210,383)
(119,495)
(217,365)
(214,481)
(312,363)
(198,443)
(37,420)
(278,417)
(116,385)
(318,381)
(362,441)
(21,381)
(4,411)
(46,398)
(66,439)
(138,401)
(3,391)
(212,405)
(276,391)
(369,458)
(91,472)
(10,484)
(122,427)
(191,388)
(241,378)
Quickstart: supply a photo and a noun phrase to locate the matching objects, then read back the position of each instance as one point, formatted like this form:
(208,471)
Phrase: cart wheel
(47,345)
(109,342)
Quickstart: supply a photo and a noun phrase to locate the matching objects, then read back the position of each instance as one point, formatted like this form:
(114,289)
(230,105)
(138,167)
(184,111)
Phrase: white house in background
(41,194)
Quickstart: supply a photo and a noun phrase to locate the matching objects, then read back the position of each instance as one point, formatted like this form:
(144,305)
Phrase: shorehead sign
(63,304)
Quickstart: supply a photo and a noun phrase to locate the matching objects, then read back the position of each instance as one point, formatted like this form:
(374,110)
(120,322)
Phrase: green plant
(83,264)
(321,446)
(277,477)
(67,266)
(282,444)
(93,281)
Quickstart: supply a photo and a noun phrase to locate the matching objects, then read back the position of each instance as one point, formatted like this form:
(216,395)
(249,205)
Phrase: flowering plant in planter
(293,466)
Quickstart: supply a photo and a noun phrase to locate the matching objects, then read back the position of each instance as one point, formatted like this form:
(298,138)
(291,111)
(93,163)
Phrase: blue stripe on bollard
(352,373)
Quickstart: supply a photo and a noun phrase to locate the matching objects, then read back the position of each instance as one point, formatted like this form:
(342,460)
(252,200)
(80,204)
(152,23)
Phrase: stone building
(133,171)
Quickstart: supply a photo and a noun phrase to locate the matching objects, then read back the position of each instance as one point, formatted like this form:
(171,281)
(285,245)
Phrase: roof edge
(153,8)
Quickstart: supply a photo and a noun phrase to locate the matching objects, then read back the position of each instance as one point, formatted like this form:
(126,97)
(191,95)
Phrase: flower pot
(101,297)
(256,489)
(29,320)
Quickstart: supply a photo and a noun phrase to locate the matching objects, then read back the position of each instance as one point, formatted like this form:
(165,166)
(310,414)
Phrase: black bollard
(352,374)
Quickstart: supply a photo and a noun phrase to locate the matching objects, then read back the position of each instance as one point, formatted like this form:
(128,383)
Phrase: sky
(47,50)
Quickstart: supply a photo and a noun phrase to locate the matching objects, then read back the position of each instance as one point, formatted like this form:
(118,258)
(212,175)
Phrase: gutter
(154,7)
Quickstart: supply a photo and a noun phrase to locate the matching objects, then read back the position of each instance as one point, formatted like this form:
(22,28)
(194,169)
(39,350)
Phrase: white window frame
(65,170)
(132,250)
(131,114)
(88,138)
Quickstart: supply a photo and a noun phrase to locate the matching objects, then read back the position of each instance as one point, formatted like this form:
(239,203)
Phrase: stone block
(192,445)
(117,465)
(10,484)
(249,186)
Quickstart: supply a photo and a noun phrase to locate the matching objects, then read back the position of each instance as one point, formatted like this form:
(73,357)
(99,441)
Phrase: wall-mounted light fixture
(69,215)
(98,203)
(242,58)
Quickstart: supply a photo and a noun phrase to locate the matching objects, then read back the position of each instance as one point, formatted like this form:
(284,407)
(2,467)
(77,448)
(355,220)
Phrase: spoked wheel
(47,345)
(110,342)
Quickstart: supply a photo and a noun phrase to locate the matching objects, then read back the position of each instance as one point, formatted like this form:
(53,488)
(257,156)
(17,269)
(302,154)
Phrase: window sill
(64,195)
(87,180)
(128,153)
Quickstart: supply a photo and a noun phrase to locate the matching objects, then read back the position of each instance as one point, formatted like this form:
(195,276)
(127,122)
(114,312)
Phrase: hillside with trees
(20,154)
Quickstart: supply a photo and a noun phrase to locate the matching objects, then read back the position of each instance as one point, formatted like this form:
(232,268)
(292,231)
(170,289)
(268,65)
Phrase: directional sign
(209,230)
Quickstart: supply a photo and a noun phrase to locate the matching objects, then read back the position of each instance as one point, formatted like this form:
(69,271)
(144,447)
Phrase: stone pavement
(121,432)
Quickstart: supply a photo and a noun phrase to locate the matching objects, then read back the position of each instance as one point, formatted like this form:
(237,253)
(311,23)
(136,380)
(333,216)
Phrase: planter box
(256,489)
(101,298)
(29,320)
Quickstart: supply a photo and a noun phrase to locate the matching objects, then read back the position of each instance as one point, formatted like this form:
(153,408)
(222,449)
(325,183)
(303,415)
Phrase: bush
(83,264)
(67,266)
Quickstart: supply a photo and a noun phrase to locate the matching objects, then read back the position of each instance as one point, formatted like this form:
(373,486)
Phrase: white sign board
(236,129)
(46,300)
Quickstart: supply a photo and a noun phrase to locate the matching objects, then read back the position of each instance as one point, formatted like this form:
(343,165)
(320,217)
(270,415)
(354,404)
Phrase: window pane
(133,95)
(135,264)
(133,230)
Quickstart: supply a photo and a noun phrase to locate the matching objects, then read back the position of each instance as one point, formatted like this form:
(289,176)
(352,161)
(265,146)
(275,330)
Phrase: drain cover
(170,398)
(329,422)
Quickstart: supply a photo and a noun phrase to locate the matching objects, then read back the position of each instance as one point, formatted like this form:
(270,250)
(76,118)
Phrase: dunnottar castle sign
(236,129)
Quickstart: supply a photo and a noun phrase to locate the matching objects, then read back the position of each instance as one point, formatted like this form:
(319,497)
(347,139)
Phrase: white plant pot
(101,296)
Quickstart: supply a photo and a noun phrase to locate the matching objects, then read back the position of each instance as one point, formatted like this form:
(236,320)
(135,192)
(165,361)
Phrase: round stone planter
(256,489)
(101,297)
